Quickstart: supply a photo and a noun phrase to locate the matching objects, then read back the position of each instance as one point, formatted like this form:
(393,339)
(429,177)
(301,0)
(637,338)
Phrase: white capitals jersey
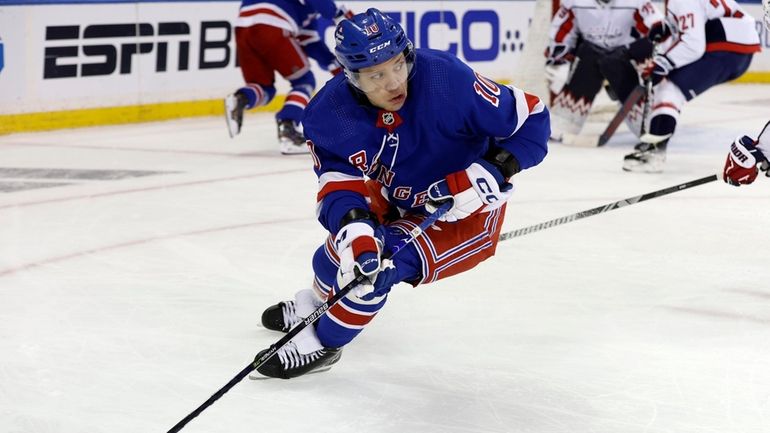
(610,25)
(702,26)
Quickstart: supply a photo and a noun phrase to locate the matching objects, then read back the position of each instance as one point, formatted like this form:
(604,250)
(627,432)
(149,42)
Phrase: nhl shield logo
(387,118)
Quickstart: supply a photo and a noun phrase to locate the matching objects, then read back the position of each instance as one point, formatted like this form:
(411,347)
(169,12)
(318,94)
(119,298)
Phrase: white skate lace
(290,358)
(289,314)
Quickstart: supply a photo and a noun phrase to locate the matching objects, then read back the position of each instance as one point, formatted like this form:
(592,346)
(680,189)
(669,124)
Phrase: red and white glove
(360,252)
(744,161)
(479,188)
(658,69)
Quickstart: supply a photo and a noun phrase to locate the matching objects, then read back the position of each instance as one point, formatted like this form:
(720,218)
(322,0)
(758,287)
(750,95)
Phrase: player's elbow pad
(503,160)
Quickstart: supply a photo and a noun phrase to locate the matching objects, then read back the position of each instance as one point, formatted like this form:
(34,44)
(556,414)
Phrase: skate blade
(293,149)
(232,125)
(256,376)
(643,168)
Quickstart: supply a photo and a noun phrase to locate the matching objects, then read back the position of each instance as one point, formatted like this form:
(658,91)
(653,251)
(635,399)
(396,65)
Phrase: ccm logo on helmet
(379,47)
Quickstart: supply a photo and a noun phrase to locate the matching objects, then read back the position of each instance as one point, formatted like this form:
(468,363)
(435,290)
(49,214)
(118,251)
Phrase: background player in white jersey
(746,156)
(712,41)
(278,36)
(594,40)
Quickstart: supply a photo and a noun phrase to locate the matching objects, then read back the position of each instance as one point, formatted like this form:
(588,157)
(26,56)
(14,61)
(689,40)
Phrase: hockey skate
(284,315)
(289,361)
(648,158)
(280,317)
(290,139)
(234,105)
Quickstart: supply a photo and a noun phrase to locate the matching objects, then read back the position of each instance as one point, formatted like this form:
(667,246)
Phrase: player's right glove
(359,247)
(658,69)
(479,188)
(744,162)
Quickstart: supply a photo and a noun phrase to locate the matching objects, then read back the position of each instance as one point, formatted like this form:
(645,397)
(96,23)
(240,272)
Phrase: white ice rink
(135,262)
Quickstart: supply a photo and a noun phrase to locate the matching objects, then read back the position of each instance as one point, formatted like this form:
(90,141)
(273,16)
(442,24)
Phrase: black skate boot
(280,317)
(235,104)
(648,158)
(288,362)
(291,140)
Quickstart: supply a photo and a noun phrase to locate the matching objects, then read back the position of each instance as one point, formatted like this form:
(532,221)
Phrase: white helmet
(766,6)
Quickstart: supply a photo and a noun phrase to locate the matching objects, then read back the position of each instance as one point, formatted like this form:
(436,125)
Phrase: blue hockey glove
(661,66)
(479,188)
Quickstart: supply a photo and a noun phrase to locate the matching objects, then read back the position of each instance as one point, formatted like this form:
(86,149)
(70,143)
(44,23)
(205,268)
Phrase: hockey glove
(742,161)
(658,69)
(556,76)
(359,247)
(479,188)
(659,32)
(558,54)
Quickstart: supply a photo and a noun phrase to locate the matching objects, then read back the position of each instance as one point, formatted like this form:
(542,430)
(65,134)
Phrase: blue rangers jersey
(450,117)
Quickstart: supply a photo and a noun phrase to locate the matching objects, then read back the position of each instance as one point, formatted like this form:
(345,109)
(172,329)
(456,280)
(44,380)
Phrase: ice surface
(131,293)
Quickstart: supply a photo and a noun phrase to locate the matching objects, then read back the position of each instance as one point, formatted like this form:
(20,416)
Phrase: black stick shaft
(606,208)
(315,315)
(634,97)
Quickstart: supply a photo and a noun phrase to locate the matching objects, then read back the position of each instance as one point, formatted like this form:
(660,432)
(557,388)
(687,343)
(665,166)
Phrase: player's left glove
(660,67)
(744,162)
(480,187)
(359,246)
(659,32)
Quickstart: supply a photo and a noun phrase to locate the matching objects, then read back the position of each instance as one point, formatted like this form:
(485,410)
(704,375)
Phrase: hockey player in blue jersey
(402,131)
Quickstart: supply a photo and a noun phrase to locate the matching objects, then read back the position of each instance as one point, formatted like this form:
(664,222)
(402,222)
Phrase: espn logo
(113,47)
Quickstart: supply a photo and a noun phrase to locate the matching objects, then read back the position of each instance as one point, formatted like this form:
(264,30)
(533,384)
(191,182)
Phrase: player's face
(385,84)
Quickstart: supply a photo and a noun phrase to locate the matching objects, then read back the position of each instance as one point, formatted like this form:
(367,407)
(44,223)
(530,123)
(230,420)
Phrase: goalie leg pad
(571,106)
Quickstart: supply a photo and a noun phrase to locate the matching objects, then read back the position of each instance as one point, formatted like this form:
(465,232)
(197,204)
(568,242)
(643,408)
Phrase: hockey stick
(608,207)
(628,105)
(314,316)
(647,105)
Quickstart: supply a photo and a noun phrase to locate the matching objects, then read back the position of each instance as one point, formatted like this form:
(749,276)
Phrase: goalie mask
(370,39)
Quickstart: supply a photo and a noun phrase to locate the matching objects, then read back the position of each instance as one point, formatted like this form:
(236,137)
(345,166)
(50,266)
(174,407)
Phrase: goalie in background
(592,41)
(712,42)
(278,36)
